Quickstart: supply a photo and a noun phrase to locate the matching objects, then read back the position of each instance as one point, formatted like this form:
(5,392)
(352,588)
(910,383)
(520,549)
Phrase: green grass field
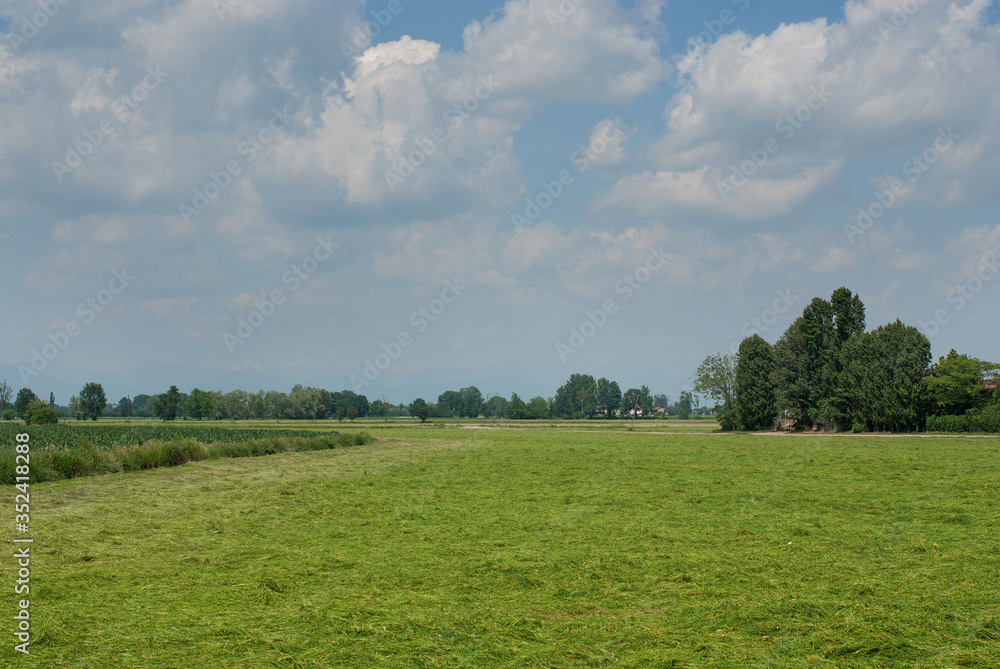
(441,546)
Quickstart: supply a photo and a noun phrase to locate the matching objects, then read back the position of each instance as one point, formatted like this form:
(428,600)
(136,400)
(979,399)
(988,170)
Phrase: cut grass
(527,548)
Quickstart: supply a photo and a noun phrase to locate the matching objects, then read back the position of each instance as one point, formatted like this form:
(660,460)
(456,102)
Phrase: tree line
(581,396)
(827,372)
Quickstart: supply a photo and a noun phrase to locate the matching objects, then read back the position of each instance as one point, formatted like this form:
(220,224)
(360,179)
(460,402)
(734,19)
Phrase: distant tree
(684,405)
(454,401)
(40,413)
(423,411)
(199,404)
(348,398)
(352,413)
(661,401)
(125,407)
(382,406)
(92,401)
(52,400)
(494,406)
(756,399)
(516,409)
(577,398)
(142,405)
(472,402)
(645,401)
(24,397)
(74,407)
(340,414)
(956,384)
(716,377)
(6,393)
(309,402)
(167,405)
(609,398)
(8,414)
(537,409)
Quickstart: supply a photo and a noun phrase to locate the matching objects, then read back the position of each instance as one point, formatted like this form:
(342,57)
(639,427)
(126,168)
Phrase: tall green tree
(199,404)
(537,408)
(685,402)
(808,361)
(957,384)
(24,398)
(472,402)
(74,407)
(716,377)
(636,400)
(453,401)
(515,409)
(756,399)
(167,405)
(883,374)
(609,397)
(92,401)
(577,398)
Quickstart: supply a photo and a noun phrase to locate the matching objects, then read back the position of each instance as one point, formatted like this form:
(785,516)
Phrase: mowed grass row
(514,548)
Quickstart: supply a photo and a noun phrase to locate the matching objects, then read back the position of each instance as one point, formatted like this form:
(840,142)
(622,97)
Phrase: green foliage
(609,398)
(537,409)
(577,398)
(684,404)
(167,405)
(516,408)
(9,414)
(40,413)
(986,421)
(24,398)
(756,400)
(636,400)
(92,401)
(495,406)
(352,413)
(423,412)
(883,370)
(716,378)
(956,384)
(199,404)
(346,399)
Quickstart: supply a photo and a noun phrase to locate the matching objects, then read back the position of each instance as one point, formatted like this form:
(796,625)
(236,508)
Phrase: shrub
(9,414)
(40,413)
(987,421)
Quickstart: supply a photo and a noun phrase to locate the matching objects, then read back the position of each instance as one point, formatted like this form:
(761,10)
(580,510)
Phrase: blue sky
(488,193)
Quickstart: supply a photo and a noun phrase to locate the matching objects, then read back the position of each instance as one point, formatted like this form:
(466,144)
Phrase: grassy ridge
(514,548)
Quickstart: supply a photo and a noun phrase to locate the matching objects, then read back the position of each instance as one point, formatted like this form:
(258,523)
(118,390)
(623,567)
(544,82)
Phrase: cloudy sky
(442,193)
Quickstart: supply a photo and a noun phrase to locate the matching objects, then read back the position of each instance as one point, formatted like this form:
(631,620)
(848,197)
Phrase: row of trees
(827,372)
(302,402)
(581,396)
